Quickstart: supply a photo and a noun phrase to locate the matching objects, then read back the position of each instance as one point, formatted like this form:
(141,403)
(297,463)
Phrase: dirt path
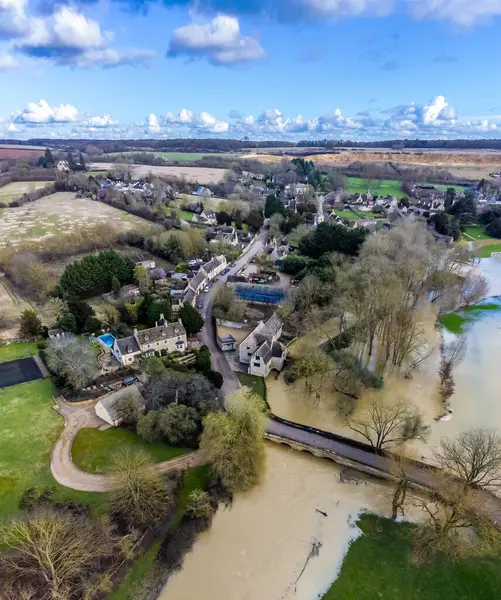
(68,474)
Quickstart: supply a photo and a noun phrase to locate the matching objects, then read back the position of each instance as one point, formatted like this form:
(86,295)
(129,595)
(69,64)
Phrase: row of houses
(191,288)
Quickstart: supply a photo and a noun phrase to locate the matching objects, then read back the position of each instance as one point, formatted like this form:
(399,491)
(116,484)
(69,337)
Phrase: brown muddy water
(258,548)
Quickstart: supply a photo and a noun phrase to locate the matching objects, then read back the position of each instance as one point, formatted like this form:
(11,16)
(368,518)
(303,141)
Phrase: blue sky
(290,69)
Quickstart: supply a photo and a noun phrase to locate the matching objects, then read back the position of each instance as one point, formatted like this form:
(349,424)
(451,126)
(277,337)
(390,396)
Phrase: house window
(158,343)
(256,364)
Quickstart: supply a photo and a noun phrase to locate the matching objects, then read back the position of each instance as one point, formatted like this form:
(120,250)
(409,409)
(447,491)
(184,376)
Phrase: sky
(257,69)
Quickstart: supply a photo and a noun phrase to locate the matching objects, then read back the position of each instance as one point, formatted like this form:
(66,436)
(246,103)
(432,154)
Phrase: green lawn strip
(443,187)
(29,429)
(245,227)
(378,565)
(347,214)
(20,350)
(93,448)
(196,478)
(256,384)
(186,215)
(486,251)
(456,322)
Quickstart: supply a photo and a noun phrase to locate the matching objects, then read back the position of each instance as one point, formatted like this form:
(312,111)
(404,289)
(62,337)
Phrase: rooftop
(162,332)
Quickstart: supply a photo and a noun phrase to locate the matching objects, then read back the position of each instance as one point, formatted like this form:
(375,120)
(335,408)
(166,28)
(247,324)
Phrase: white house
(147,264)
(106,407)
(261,349)
(227,344)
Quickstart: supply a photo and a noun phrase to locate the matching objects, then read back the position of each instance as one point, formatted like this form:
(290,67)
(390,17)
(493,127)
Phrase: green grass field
(256,384)
(444,187)
(346,214)
(476,232)
(486,251)
(21,350)
(14,190)
(174,156)
(29,429)
(93,448)
(378,187)
(378,566)
(457,322)
(186,215)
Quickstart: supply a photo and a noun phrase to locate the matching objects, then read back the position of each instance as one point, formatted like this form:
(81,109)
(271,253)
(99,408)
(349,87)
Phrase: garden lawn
(377,566)
(186,215)
(378,187)
(444,187)
(93,448)
(347,214)
(476,232)
(28,431)
(256,384)
(486,251)
(21,350)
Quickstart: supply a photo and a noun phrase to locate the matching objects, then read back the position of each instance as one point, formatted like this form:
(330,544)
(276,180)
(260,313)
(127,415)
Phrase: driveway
(68,474)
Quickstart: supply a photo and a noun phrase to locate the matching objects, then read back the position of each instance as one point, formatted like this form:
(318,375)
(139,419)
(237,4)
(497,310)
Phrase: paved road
(66,473)
(208,335)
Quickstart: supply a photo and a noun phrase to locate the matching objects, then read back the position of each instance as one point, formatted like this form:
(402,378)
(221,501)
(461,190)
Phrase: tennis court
(18,371)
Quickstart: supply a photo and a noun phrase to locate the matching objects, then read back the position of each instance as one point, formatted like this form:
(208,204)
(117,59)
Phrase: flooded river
(258,548)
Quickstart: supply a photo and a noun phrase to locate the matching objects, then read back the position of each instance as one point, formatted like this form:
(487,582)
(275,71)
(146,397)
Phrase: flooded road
(258,548)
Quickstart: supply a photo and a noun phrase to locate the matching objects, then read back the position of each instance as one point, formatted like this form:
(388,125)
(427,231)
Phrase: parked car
(206,289)
(192,263)
(200,304)
(224,271)
(129,380)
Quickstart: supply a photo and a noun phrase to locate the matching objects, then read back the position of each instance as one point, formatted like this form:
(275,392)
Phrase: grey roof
(128,345)
(110,400)
(198,279)
(277,349)
(189,296)
(265,351)
(228,339)
(213,264)
(162,332)
(273,325)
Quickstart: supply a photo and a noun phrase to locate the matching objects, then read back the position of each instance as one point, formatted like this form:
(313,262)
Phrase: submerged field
(60,213)
(14,191)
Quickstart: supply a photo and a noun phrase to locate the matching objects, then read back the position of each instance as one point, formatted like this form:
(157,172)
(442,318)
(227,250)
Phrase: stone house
(261,349)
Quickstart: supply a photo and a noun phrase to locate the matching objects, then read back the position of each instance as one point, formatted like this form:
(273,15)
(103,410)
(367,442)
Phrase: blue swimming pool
(107,339)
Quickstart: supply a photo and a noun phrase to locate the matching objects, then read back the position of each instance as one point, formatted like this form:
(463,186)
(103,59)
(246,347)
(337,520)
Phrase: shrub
(199,505)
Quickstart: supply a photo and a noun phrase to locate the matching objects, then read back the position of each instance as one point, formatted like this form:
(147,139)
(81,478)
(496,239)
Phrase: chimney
(135,332)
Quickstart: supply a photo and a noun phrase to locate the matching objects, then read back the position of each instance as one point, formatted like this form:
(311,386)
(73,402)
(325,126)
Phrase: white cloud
(152,125)
(219,40)
(203,121)
(43,113)
(103,121)
(64,32)
(108,58)
(13,18)
(346,8)
(7,62)
(461,12)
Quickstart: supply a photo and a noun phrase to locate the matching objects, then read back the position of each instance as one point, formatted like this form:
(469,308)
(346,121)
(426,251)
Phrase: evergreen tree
(273,205)
(238,219)
(115,285)
(81,162)
(31,325)
(191,319)
(71,162)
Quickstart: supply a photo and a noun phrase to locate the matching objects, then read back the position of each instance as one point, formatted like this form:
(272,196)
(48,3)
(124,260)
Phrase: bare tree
(452,354)
(474,457)
(384,423)
(474,288)
(139,495)
(53,553)
(72,358)
(458,525)
(313,366)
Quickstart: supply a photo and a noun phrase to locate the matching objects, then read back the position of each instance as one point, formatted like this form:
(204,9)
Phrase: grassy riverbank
(378,565)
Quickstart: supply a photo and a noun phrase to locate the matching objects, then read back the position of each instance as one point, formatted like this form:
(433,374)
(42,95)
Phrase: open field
(60,213)
(378,187)
(378,565)
(444,187)
(346,214)
(19,151)
(92,448)
(30,428)
(174,156)
(11,306)
(212,203)
(485,251)
(193,174)
(476,232)
(13,191)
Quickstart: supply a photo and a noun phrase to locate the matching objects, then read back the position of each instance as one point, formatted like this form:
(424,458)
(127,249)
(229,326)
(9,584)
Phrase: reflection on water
(257,548)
